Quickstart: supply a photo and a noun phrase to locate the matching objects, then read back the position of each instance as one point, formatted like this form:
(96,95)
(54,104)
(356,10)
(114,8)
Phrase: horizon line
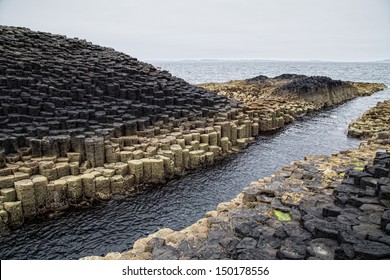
(261,60)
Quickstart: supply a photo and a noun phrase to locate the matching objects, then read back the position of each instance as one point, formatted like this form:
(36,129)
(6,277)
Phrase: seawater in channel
(116,224)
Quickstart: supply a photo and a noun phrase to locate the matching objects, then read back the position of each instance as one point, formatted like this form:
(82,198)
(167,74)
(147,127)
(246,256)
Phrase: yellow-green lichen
(282,216)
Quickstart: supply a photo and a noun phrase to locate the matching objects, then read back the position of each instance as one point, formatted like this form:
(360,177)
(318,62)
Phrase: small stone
(385,219)
(292,251)
(358,175)
(9,194)
(370,250)
(322,248)
(387,229)
(103,196)
(154,243)
(380,171)
(166,253)
(26,194)
(15,212)
(102,186)
(136,169)
(255,254)
(372,208)
(89,185)
(323,232)
(246,243)
(297,233)
(359,201)
(383,181)
(229,245)
(106,172)
(57,197)
(7,181)
(250,194)
(384,192)
(331,211)
(75,188)
(40,187)
(368,182)
(117,184)
(344,252)
(368,229)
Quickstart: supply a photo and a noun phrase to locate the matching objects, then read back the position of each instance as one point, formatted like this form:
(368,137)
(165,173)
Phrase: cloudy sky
(338,30)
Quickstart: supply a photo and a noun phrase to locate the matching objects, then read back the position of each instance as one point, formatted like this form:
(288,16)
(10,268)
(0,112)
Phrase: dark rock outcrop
(303,85)
(259,78)
(81,123)
(289,76)
(51,85)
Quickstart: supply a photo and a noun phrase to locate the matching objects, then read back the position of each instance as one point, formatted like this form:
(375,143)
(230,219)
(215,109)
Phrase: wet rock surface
(334,207)
(375,121)
(81,123)
(280,100)
(329,214)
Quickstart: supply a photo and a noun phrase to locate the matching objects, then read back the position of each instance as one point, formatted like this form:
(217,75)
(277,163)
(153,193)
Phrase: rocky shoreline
(322,207)
(69,138)
(374,121)
(280,100)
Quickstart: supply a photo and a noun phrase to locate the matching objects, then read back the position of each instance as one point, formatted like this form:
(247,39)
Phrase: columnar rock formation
(80,122)
(53,86)
(280,100)
(374,121)
(334,207)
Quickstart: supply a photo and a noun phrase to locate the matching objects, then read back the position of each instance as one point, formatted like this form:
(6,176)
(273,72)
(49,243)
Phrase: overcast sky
(340,30)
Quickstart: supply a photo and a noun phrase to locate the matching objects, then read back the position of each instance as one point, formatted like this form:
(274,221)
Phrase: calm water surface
(115,225)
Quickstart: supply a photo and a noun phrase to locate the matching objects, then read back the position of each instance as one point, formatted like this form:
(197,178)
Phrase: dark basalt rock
(385,220)
(255,254)
(166,253)
(2,158)
(331,211)
(259,78)
(290,76)
(346,225)
(51,85)
(309,85)
(322,248)
(380,171)
(246,243)
(344,252)
(368,182)
(371,250)
(291,250)
(358,175)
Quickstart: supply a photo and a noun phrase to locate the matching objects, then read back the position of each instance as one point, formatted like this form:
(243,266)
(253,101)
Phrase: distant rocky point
(313,92)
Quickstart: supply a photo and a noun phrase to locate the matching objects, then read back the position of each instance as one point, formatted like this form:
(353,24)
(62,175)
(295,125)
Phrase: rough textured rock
(71,108)
(338,210)
(280,100)
(374,121)
(314,225)
(54,88)
(80,122)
